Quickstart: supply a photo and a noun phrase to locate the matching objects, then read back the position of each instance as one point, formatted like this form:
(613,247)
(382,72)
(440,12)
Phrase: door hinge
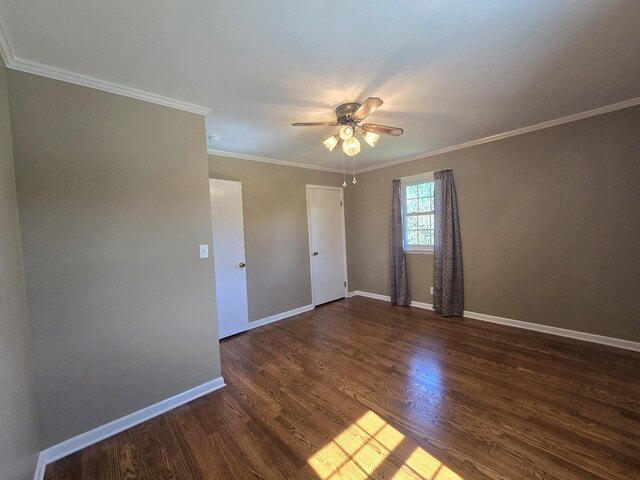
(345,284)
(340,202)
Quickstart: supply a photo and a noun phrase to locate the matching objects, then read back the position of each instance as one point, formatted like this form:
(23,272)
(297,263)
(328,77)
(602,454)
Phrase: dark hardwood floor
(359,389)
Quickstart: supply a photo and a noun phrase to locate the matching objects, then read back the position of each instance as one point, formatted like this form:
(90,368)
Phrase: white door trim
(344,238)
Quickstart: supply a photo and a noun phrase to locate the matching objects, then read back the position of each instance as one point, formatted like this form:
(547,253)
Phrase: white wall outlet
(431,290)
(204,251)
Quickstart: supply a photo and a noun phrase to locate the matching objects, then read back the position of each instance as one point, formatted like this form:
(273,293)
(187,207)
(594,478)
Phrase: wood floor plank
(359,389)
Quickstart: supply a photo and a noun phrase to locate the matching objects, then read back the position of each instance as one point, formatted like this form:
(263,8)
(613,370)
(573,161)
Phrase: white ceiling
(448,71)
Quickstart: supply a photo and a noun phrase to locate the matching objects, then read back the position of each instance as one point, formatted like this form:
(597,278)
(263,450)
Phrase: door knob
(242,264)
(315,253)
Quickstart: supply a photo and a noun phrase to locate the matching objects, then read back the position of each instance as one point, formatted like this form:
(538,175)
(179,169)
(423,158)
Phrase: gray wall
(550,225)
(18,419)
(275,227)
(113,201)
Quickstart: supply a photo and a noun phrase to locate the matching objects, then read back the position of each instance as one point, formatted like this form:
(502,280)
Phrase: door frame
(344,238)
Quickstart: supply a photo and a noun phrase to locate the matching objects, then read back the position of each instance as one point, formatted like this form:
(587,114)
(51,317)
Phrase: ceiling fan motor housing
(344,112)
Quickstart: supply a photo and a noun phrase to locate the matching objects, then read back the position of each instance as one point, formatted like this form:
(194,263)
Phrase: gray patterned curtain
(448,289)
(399,284)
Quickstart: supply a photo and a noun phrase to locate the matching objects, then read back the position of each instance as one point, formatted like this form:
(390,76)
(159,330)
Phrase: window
(417,212)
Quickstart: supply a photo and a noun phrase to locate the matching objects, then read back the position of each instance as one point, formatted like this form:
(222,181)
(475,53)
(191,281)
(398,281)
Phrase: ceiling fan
(349,116)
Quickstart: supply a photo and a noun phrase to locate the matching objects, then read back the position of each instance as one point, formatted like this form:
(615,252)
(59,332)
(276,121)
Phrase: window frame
(404,183)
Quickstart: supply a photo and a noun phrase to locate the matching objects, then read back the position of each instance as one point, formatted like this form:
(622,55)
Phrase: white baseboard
(562,332)
(280,316)
(387,298)
(376,296)
(91,437)
(424,306)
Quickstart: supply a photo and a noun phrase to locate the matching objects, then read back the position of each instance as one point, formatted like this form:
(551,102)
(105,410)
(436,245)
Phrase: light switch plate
(204,251)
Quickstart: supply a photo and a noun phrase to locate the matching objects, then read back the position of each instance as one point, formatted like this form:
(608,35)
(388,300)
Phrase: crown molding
(632,102)
(15,63)
(5,47)
(493,138)
(91,82)
(254,158)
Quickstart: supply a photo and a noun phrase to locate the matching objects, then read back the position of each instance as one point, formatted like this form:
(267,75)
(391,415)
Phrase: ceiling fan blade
(382,129)
(369,106)
(315,124)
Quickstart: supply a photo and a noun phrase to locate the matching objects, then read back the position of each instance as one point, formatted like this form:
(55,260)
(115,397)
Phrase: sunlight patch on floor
(366,450)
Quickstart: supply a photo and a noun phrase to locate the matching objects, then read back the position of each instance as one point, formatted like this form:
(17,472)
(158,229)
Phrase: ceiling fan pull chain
(344,172)
(354,169)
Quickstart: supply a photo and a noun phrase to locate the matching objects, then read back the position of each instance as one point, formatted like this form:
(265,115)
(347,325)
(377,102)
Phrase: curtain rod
(418,175)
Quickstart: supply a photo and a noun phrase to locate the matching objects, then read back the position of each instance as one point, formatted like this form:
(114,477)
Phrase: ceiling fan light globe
(371,138)
(346,132)
(351,146)
(331,142)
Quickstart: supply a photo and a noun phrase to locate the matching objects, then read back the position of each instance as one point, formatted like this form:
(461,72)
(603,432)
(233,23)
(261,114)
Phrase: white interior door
(228,256)
(327,243)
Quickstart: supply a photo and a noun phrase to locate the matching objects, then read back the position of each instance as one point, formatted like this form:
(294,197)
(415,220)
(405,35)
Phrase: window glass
(418,215)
